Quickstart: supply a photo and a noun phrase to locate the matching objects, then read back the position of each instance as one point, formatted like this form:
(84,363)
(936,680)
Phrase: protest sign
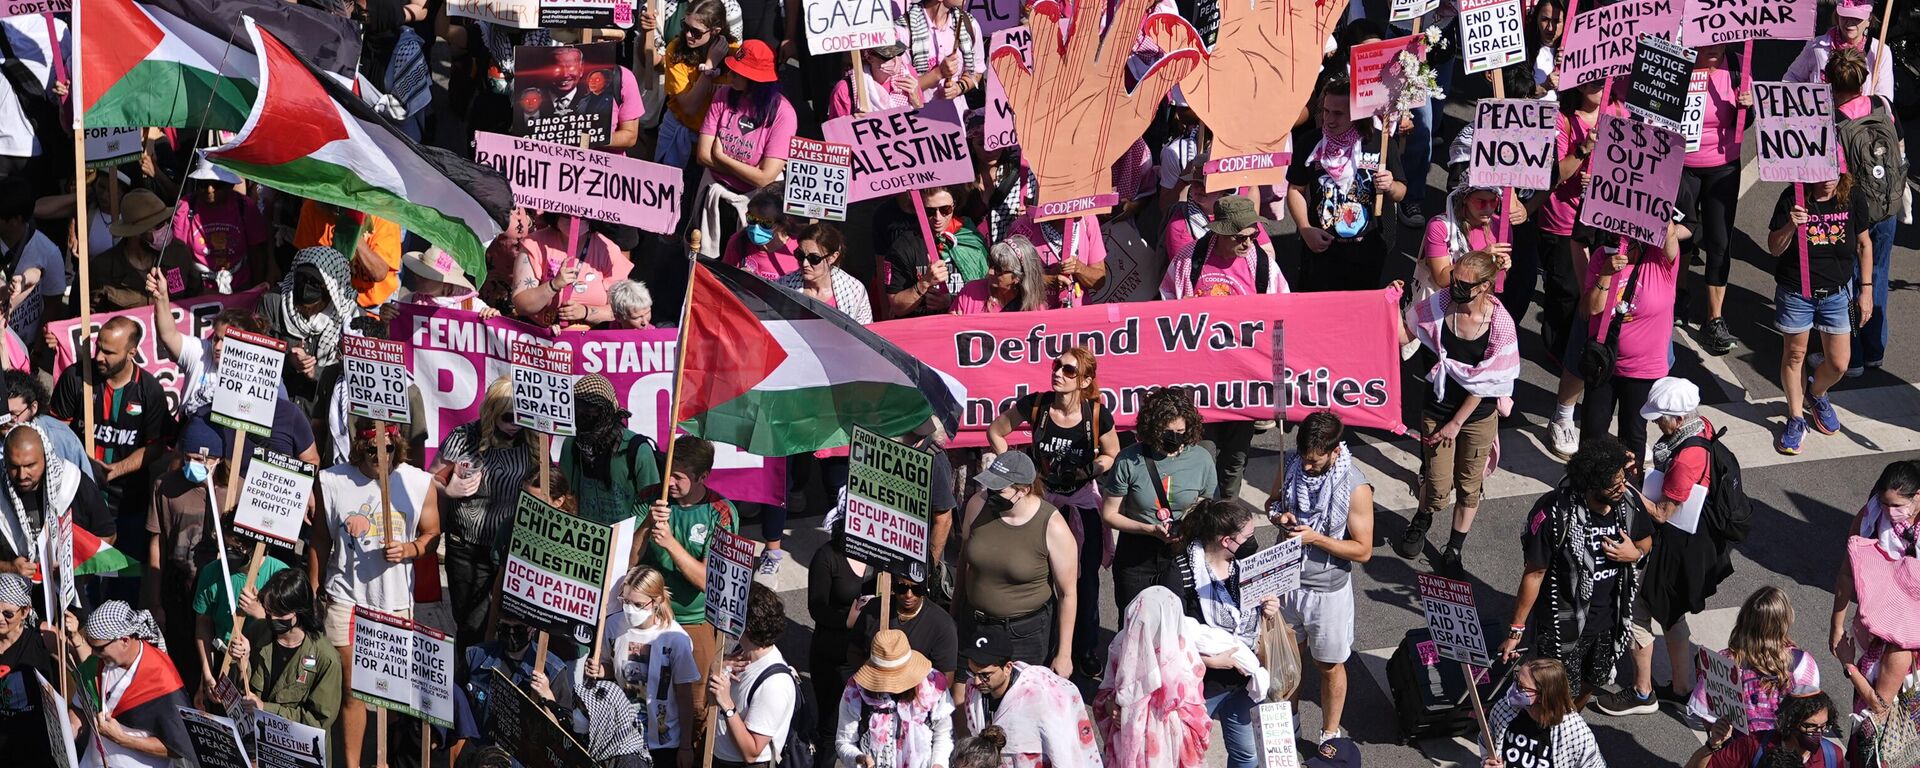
(999,131)
(284,743)
(55,556)
(817,178)
(432,676)
(888,504)
(524,727)
(1693,123)
(1714,22)
(455,355)
(215,742)
(1408,10)
(559,569)
(729,576)
(1726,693)
(1453,620)
(273,500)
(1662,73)
(1600,41)
(904,149)
(593,14)
(59,729)
(1270,572)
(1368,68)
(567,179)
(518,14)
(563,92)
(1636,173)
(108,147)
(377,378)
(994,15)
(847,25)
(543,386)
(250,373)
(382,660)
(1491,35)
(1135,265)
(1513,144)
(1342,354)
(194,318)
(37,7)
(227,691)
(1793,124)
(1276,745)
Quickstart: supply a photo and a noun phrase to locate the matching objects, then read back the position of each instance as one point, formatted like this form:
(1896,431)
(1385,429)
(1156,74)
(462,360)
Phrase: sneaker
(1413,539)
(1665,694)
(1626,701)
(1826,420)
(1448,563)
(1564,439)
(1411,216)
(1789,440)
(770,562)
(1856,371)
(1719,340)
(1326,736)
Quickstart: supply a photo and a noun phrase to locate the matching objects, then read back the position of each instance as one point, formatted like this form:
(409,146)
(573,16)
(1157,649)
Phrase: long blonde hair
(651,583)
(496,406)
(1760,640)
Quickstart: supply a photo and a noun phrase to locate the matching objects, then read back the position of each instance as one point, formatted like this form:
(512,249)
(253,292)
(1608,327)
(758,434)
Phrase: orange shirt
(382,236)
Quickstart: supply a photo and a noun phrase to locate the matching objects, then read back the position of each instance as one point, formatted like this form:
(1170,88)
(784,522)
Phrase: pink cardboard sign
(1793,123)
(587,183)
(1600,41)
(1368,66)
(1713,22)
(904,149)
(1000,132)
(1636,173)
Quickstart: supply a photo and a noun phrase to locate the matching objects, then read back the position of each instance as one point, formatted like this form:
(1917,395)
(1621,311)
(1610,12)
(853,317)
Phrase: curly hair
(1160,408)
(766,616)
(1598,460)
(1794,711)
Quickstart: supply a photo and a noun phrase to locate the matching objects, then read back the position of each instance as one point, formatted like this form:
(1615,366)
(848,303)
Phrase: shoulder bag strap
(1159,485)
(1626,297)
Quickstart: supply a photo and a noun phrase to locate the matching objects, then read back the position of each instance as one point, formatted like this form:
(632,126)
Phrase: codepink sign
(1713,22)
(588,183)
(1600,41)
(1368,67)
(904,149)
(1000,132)
(1793,123)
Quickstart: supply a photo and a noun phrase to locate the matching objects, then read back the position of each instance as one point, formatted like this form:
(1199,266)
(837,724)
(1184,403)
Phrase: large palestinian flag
(190,63)
(778,373)
(308,135)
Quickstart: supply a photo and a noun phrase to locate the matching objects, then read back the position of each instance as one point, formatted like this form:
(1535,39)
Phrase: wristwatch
(727,714)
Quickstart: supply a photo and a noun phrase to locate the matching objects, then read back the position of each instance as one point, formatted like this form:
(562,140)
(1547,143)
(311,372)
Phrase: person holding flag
(40,485)
(137,694)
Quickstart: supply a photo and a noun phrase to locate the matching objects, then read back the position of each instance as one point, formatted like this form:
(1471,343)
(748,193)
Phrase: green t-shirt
(617,497)
(210,596)
(692,526)
(1189,476)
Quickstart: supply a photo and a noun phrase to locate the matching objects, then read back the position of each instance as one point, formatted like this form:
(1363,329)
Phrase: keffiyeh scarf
(1150,707)
(924,50)
(1665,447)
(1895,539)
(325,327)
(115,619)
(16,590)
(58,485)
(1491,378)
(1311,498)
(610,729)
(1338,156)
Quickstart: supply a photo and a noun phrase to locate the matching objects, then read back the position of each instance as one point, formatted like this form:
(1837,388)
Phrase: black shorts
(1590,664)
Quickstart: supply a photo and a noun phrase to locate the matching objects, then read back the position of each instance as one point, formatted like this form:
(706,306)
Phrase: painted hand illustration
(1072,109)
(1250,89)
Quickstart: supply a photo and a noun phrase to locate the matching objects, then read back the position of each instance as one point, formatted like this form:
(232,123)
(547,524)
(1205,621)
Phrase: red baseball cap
(753,61)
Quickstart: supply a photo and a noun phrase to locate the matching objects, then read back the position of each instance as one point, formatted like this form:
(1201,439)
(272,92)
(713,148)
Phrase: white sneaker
(1326,736)
(770,561)
(1564,439)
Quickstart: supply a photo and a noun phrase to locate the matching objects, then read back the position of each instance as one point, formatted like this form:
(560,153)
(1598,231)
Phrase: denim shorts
(1798,314)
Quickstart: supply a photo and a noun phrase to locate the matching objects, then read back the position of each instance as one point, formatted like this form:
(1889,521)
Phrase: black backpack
(1728,514)
(1871,145)
(797,751)
(1204,246)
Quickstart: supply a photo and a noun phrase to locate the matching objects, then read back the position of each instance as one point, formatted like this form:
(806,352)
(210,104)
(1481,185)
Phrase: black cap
(991,646)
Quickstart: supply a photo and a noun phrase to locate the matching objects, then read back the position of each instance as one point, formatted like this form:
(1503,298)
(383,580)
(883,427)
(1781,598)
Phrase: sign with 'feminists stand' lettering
(1512,144)
(904,149)
(1793,123)
(1636,174)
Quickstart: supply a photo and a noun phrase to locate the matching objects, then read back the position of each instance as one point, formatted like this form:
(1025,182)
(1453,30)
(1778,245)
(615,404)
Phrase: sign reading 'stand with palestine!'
(557,572)
(377,378)
(1453,620)
(888,504)
(817,176)
(543,386)
(729,577)
(251,367)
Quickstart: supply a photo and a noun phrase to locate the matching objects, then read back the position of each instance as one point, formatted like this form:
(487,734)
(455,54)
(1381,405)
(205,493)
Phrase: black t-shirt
(1526,743)
(1538,544)
(89,512)
(124,419)
(1469,351)
(931,632)
(277,660)
(896,236)
(1343,210)
(23,730)
(1064,455)
(1833,231)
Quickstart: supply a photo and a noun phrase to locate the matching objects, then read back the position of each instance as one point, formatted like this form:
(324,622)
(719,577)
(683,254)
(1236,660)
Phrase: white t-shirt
(357,567)
(640,660)
(769,714)
(198,373)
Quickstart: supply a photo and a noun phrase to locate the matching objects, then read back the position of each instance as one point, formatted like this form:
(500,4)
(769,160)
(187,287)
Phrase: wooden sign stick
(82,227)
(386,493)
(883,586)
(380,737)
(239,617)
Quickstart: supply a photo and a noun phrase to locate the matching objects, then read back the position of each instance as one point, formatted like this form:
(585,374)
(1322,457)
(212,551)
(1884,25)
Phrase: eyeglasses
(939,210)
(906,589)
(811,258)
(643,607)
(1242,238)
(1816,729)
(1069,369)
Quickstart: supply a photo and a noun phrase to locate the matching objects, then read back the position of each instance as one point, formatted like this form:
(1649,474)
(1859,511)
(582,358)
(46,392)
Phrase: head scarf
(58,485)
(325,327)
(1150,706)
(114,619)
(611,731)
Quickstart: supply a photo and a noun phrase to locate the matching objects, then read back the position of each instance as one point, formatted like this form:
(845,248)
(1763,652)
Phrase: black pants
(1086,615)
(1559,289)
(471,571)
(1032,634)
(1345,266)
(1231,442)
(1625,395)
(1138,563)
(1716,195)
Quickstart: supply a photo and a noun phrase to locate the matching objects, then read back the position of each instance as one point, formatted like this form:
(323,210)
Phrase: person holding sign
(890,82)
(1838,242)
(943,42)
(916,283)
(198,357)
(512,652)
(1798,739)
(1536,723)
(1150,487)
(24,651)
(364,554)
(1713,174)
(1852,26)
(1207,579)
(289,669)
(40,486)
(607,466)
(675,538)
(309,311)
(223,230)
(1562,258)
(552,285)
(1330,193)
(820,277)
(1020,568)
(743,142)
(1631,289)
(650,655)
(139,694)
(753,689)
(1772,670)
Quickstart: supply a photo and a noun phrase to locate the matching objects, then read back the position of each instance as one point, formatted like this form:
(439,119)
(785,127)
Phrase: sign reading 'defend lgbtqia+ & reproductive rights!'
(1368,68)
(1716,22)
(1512,144)
(1662,73)
(1452,619)
(1491,34)
(817,177)
(543,386)
(1000,132)
(847,25)
(594,185)
(250,371)
(377,378)
(273,500)
(729,577)
(1636,173)
(888,504)
(1793,123)
(1600,41)
(904,149)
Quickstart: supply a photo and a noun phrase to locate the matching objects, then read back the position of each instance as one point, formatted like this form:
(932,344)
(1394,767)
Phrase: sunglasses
(1069,369)
(909,589)
(939,210)
(101,646)
(7,614)
(810,258)
(1242,238)
(692,31)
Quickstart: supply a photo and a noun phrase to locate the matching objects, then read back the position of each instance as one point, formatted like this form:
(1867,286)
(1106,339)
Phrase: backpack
(1871,145)
(797,751)
(1728,514)
(1829,755)
(1204,247)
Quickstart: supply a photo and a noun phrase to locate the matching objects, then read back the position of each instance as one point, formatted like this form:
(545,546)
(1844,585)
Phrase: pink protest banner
(584,183)
(1636,173)
(456,355)
(1342,353)
(1713,22)
(901,150)
(1367,66)
(1600,41)
(999,130)
(194,317)
(1793,123)
(1512,144)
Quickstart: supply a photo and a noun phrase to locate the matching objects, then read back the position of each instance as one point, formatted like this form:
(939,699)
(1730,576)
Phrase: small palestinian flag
(92,556)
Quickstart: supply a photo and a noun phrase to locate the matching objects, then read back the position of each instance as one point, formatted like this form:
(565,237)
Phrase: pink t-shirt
(1562,208)
(220,234)
(600,264)
(1646,337)
(1719,144)
(1093,247)
(973,299)
(1227,275)
(745,137)
(778,259)
(1436,243)
(629,106)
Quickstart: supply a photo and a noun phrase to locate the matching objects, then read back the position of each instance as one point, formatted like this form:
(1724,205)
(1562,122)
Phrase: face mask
(159,239)
(1519,698)
(516,637)
(996,503)
(196,472)
(280,626)
(1171,444)
(892,68)
(1809,741)
(1901,515)
(1461,293)
(635,616)
(760,234)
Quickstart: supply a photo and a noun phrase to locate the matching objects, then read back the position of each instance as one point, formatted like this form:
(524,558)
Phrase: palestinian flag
(91,556)
(308,135)
(778,373)
(189,63)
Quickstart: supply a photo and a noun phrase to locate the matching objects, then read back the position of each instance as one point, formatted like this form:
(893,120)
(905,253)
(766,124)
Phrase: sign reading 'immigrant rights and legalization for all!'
(572,181)
(377,378)
(888,504)
(904,149)
(1793,123)
(402,666)
(729,577)
(557,571)
(847,25)
(1636,173)
(817,178)
(543,386)
(1715,22)
(273,500)
(1491,34)
(250,372)
(1453,620)
(1512,144)
(1600,41)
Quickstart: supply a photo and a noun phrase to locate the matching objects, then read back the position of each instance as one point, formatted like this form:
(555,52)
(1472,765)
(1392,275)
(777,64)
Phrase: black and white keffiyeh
(114,619)
(610,728)
(58,484)
(1571,740)
(16,590)
(324,327)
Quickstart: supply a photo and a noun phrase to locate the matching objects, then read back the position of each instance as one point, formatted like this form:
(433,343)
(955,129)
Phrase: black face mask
(516,637)
(1461,293)
(996,504)
(281,626)
(1171,443)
